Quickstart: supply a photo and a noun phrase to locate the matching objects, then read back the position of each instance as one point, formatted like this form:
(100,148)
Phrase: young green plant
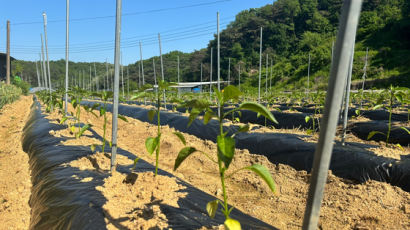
(225,145)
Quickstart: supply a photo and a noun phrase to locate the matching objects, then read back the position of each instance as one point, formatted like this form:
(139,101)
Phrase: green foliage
(8,94)
(225,145)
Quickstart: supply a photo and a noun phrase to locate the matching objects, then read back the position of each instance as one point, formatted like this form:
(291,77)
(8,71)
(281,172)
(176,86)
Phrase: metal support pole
(139,75)
(128,84)
(46,40)
(122,77)
(142,66)
(66,54)
(201,77)
(260,68)
(8,54)
(155,75)
(44,62)
(178,74)
(210,77)
(347,97)
(116,84)
(218,54)
(106,84)
(266,70)
(339,71)
(364,76)
(97,87)
(162,70)
(38,76)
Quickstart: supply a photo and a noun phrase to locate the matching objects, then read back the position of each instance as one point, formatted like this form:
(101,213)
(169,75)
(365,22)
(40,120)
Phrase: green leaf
(212,207)
(243,128)
(263,172)
(182,155)
(226,149)
(83,129)
(63,120)
(231,224)
(151,144)
(92,147)
(258,108)
(399,146)
(399,97)
(181,137)
(208,116)
(309,131)
(405,129)
(151,114)
(102,111)
(135,163)
(357,111)
(307,119)
(122,117)
(372,133)
(193,115)
(231,93)
(377,106)
(72,129)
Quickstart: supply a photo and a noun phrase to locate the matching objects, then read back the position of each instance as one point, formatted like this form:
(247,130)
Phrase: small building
(196,87)
(3,66)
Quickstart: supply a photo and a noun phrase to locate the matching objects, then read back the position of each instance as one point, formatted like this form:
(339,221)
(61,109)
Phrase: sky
(184,25)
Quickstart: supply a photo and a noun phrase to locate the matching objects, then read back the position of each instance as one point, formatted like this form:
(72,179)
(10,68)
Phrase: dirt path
(15,184)
(373,205)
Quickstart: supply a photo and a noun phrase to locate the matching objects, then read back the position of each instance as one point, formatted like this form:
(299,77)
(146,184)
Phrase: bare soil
(346,205)
(15,184)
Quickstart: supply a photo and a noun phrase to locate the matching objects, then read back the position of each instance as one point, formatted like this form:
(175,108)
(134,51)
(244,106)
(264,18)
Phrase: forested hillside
(292,29)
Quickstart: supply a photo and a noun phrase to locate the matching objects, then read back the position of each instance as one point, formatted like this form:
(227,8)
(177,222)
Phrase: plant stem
(222,172)
(104,127)
(390,113)
(159,134)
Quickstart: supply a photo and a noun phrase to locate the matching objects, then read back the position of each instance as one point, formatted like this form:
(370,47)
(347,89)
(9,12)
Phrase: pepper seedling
(225,145)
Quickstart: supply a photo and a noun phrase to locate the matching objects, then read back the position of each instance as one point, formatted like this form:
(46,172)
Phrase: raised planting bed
(351,162)
(72,188)
(345,205)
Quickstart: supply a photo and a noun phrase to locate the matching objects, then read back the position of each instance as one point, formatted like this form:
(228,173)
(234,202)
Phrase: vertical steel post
(97,87)
(122,77)
(106,84)
(155,75)
(201,77)
(128,84)
(46,40)
(178,74)
(44,61)
(218,53)
(38,76)
(8,54)
(266,70)
(142,65)
(162,70)
(210,77)
(66,54)
(260,67)
(347,97)
(339,71)
(116,84)
(364,77)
